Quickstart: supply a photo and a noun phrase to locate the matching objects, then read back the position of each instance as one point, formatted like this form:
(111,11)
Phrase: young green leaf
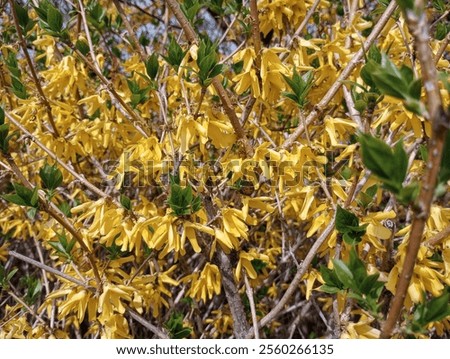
(348,225)
(389,165)
(175,54)
(51,176)
(22,15)
(125,202)
(300,86)
(176,328)
(152,66)
(344,274)
(82,46)
(54,19)
(430,311)
(344,219)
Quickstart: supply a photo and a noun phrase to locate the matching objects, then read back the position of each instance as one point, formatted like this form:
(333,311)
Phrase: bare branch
(319,108)
(418,26)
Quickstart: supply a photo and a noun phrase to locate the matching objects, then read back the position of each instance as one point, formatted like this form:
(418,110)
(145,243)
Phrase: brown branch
(68,168)
(221,92)
(54,212)
(50,269)
(442,48)
(300,28)
(256,32)
(138,122)
(34,75)
(304,265)
(148,325)
(251,301)
(293,286)
(30,310)
(439,237)
(418,26)
(319,108)
(240,325)
(134,40)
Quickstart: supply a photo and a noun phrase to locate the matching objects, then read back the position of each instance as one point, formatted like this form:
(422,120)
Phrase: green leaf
(31,212)
(152,66)
(33,289)
(329,289)
(438,308)
(11,274)
(41,10)
(207,62)
(439,5)
(432,311)
(344,219)
(23,196)
(300,85)
(14,198)
(356,266)
(175,326)
(64,207)
(374,54)
(442,29)
(4,137)
(348,225)
(409,193)
(22,16)
(54,19)
(125,202)
(401,162)
(82,46)
(63,246)
(51,176)
(258,265)
(389,165)
(344,274)
(175,54)
(190,9)
(370,283)
(34,197)
(406,4)
(19,88)
(238,67)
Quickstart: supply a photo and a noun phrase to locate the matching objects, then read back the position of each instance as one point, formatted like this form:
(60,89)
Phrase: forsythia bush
(224,168)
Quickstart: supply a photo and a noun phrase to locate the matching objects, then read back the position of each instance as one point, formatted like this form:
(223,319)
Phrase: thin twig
(352,111)
(251,301)
(300,28)
(34,75)
(134,40)
(67,167)
(54,211)
(293,286)
(50,270)
(148,325)
(256,32)
(439,237)
(418,26)
(240,325)
(442,49)
(221,92)
(29,309)
(41,258)
(138,123)
(319,108)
